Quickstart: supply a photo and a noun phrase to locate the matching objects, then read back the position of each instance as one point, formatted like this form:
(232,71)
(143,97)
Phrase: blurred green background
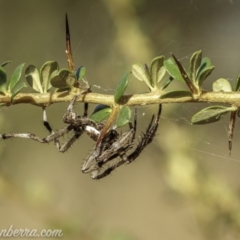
(184,185)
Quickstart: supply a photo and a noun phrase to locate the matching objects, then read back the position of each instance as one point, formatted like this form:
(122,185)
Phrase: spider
(113,144)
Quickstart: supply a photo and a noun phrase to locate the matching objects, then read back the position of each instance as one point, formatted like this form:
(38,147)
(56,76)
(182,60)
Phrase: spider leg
(120,146)
(52,137)
(21,135)
(49,128)
(70,114)
(70,108)
(85,113)
(69,143)
(134,125)
(95,158)
(45,121)
(146,139)
(70,117)
(75,122)
(98,175)
(30,135)
(110,147)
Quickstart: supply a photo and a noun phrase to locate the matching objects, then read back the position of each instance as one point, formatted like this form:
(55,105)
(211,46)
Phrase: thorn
(192,87)
(68,46)
(67,29)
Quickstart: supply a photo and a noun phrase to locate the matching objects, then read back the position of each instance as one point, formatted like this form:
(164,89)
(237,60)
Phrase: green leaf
(237,83)
(222,85)
(205,63)
(176,94)
(204,74)
(45,72)
(157,70)
(173,69)
(210,114)
(17,89)
(3,80)
(100,107)
(139,72)
(33,78)
(121,87)
(80,73)
(63,79)
(101,115)
(15,77)
(195,63)
(124,116)
(161,73)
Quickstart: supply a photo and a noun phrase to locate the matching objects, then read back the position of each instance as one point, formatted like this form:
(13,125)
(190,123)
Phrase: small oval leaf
(161,73)
(205,63)
(222,85)
(80,73)
(195,63)
(15,77)
(156,67)
(124,116)
(33,78)
(210,114)
(204,74)
(173,69)
(45,72)
(101,115)
(140,72)
(176,94)
(121,87)
(100,107)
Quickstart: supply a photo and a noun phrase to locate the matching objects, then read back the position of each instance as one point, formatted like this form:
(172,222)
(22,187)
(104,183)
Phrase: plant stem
(45,99)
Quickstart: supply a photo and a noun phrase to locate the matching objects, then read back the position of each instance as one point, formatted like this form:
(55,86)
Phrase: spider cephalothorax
(112,145)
